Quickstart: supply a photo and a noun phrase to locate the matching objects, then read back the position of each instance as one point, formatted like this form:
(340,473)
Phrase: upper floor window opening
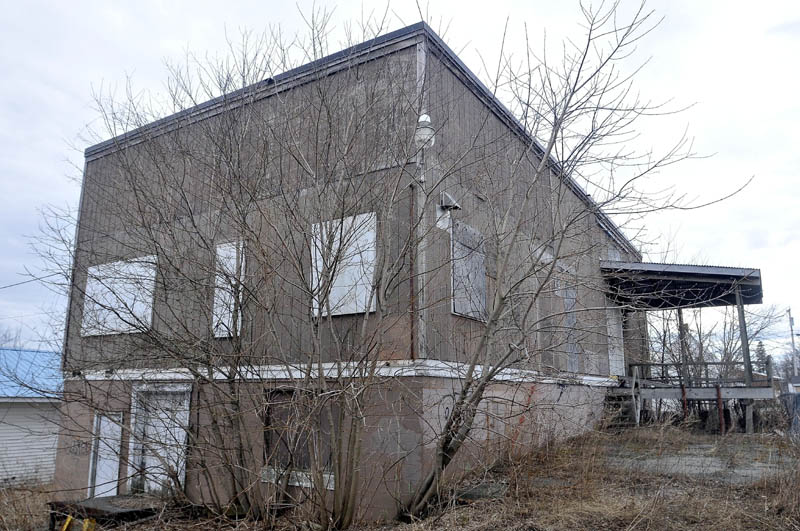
(343,254)
(228,289)
(119,297)
(469,272)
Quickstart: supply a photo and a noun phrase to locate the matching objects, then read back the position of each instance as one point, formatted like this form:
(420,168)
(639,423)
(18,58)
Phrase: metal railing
(700,374)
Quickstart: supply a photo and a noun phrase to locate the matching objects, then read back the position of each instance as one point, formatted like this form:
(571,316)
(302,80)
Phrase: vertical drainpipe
(418,222)
(412,263)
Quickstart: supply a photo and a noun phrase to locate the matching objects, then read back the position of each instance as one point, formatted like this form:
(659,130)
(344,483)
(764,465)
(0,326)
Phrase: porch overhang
(655,286)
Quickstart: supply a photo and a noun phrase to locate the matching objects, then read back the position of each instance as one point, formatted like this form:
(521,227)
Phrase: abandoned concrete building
(328,229)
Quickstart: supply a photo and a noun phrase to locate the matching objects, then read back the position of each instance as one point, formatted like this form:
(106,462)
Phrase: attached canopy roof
(651,286)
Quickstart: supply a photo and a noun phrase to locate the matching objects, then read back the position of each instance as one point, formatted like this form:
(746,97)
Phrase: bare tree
(302,225)
(582,109)
(10,338)
(719,342)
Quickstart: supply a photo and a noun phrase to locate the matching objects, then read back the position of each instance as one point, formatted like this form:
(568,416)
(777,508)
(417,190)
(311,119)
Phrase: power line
(29,280)
(28,350)
(12,317)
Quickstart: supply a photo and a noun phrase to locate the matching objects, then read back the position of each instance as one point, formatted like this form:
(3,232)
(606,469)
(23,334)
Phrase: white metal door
(105,458)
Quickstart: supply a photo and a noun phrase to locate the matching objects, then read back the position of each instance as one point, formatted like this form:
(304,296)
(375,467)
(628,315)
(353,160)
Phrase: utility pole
(794,351)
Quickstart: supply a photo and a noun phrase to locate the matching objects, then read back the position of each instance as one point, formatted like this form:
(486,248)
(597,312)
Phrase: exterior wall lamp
(424,136)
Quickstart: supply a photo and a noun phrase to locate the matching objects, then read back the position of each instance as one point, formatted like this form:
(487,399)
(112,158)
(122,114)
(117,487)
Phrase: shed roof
(29,374)
(662,286)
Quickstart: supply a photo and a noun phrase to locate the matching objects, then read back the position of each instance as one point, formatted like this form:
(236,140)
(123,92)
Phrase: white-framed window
(292,436)
(469,272)
(119,297)
(228,277)
(343,253)
(157,446)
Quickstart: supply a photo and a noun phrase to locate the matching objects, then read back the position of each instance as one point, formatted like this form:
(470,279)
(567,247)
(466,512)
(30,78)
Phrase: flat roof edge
(259,87)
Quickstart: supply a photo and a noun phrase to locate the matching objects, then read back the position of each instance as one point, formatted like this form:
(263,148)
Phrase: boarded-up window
(469,272)
(227,310)
(119,297)
(570,295)
(616,348)
(343,265)
(567,290)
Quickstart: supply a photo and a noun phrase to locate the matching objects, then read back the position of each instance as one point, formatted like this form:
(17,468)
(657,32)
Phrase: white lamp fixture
(424,135)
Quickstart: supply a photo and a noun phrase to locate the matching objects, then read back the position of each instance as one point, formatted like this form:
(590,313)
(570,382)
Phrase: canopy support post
(748,367)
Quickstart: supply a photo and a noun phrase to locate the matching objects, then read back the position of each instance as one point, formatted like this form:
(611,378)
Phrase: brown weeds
(580,484)
(583,483)
(24,508)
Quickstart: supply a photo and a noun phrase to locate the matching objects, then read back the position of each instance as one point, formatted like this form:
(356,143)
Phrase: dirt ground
(648,478)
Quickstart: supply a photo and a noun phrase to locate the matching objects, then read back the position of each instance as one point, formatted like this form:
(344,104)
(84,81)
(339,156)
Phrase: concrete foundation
(400,425)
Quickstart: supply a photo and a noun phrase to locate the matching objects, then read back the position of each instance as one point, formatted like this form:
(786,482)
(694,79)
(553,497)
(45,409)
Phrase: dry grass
(23,508)
(578,485)
(571,486)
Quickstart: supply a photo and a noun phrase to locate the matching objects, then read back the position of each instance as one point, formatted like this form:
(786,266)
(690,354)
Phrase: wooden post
(684,348)
(748,416)
(685,403)
(748,368)
(721,411)
(770,372)
(633,396)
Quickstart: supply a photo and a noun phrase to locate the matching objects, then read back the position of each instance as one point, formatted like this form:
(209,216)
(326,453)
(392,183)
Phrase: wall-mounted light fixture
(424,136)
(447,202)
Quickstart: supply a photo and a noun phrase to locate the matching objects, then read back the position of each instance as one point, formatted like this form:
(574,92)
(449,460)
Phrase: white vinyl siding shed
(30,390)
(28,439)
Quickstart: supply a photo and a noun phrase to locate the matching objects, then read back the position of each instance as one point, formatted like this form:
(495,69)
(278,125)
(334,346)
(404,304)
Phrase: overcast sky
(736,62)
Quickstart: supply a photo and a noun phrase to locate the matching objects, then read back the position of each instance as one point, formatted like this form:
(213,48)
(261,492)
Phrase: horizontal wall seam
(391,369)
